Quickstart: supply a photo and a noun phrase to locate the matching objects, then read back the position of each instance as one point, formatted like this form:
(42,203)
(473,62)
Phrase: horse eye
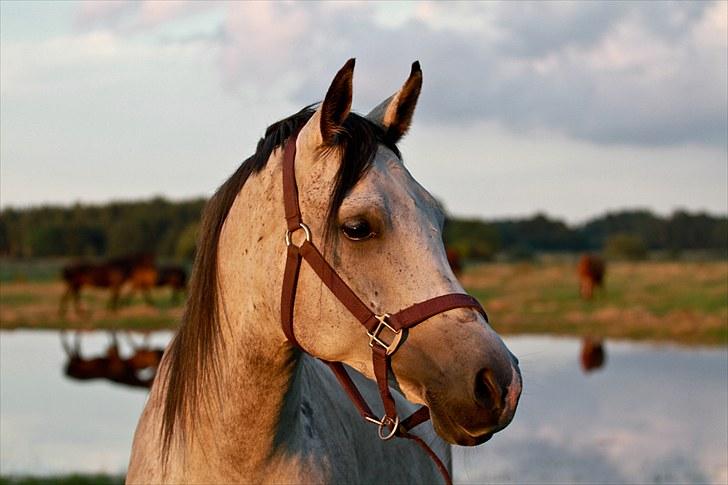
(357,230)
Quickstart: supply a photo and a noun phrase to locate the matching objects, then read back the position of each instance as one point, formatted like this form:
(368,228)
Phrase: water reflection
(135,366)
(658,414)
(593,354)
(50,424)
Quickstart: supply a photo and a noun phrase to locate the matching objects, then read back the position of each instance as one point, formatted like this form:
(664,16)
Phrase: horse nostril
(488,393)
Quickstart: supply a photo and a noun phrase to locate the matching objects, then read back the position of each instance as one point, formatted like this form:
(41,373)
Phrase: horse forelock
(192,368)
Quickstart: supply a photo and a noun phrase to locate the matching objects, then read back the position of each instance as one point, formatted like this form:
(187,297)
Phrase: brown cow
(591,270)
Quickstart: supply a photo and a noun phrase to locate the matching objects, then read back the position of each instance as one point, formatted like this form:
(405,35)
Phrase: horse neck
(257,362)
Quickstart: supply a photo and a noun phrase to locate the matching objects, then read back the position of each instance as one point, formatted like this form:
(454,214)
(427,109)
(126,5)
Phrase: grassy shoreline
(680,302)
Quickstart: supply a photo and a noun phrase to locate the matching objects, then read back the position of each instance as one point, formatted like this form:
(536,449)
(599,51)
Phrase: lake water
(652,414)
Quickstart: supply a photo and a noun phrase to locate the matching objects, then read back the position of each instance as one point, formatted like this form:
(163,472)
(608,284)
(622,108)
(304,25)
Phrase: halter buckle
(374,336)
(383,424)
(306,231)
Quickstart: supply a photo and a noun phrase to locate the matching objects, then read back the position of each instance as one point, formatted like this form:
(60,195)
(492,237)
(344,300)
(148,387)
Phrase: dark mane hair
(192,370)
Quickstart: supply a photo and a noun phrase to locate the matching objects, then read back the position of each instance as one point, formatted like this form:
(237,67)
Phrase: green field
(685,302)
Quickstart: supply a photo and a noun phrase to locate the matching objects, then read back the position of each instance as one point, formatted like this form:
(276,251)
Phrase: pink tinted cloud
(109,14)
(594,71)
(262,39)
(125,16)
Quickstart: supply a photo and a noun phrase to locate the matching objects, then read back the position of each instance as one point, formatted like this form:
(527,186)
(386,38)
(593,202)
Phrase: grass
(685,302)
(34,270)
(28,304)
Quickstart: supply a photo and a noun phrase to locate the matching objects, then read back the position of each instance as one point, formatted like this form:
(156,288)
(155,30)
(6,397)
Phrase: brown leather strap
(338,286)
(433,456)
(419,312)
(345,380)
(400,321)
(381,363)
(290,188)
(418,417)
(415,419)
(288,293)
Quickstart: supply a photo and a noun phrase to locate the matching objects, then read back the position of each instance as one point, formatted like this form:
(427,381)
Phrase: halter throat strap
(385,332)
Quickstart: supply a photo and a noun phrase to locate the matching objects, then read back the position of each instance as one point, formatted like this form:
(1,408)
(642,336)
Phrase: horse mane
(192,371)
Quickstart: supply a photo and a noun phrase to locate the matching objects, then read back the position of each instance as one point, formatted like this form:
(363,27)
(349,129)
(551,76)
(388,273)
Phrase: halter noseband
(377,326)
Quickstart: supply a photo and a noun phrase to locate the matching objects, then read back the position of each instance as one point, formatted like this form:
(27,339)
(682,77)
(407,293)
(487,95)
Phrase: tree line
(169,229)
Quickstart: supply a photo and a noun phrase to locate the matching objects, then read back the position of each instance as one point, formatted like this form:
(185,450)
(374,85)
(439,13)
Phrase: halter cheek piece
(385,331)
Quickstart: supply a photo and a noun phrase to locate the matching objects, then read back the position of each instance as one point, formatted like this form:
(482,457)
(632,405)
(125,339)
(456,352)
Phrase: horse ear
(394,114)
(337,103)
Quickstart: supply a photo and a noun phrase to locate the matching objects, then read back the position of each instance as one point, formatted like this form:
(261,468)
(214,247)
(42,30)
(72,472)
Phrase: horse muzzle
(496,390)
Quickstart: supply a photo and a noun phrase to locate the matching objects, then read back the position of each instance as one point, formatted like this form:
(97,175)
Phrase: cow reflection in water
(593,354)
(137,370)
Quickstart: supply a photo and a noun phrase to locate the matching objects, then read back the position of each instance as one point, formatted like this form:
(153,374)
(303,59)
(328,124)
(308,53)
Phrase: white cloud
(652,74)
(630,113)
(135,16)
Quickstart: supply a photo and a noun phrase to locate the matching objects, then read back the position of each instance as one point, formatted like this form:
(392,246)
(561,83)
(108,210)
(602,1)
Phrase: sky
(572,109)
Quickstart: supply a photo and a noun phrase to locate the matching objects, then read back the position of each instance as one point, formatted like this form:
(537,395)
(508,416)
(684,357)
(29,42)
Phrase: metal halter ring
(306,231)
(386,421)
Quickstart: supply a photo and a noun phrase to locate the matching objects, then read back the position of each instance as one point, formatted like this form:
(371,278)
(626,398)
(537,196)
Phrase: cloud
(627,73)
(134,16)
(535,30)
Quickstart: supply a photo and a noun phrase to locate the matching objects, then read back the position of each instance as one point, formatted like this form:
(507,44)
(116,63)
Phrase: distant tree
(473,239)
(48,240)
(57,239)
(539,232)
(520,252)
(625,246)
(4,238)
(167,229)
(719,237)
(696,231)
(650,228)
(187,242)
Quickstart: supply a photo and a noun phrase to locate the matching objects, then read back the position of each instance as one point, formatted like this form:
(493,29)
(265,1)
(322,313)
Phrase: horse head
(382,235)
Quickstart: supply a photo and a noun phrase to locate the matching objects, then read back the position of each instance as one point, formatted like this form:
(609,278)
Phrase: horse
(173,276)
(142,277)
(591,270)
(245,390)
(78,275)
(110,274)
(146,276)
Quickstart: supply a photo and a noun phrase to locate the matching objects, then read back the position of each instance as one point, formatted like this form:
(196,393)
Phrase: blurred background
(580,149)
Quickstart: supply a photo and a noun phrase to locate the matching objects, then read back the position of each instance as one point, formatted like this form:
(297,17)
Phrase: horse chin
(447,427)
(457,435)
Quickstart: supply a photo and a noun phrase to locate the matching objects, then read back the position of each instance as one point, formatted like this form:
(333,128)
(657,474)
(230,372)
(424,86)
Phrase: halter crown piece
(392,326)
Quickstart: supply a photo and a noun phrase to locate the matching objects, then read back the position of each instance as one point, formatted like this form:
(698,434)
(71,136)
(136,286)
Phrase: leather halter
(395,324)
